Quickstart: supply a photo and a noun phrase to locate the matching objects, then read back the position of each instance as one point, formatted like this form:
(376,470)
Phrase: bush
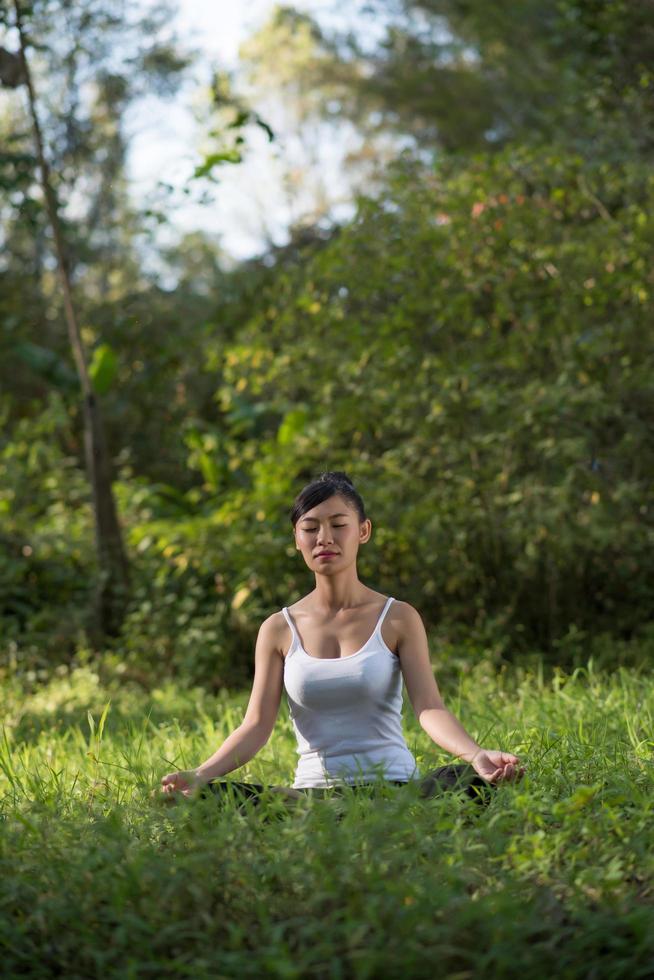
(470,347)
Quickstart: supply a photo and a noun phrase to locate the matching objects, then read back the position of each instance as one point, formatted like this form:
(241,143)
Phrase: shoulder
(402,623)
(404,615)
(275,632)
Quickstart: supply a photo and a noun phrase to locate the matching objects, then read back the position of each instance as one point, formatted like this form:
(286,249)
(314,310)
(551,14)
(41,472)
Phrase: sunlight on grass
(100,877)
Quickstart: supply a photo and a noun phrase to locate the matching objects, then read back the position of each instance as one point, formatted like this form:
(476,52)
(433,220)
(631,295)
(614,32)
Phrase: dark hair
(322,488)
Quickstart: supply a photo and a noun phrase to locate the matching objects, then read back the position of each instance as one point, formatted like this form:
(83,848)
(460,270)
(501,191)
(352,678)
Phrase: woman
(341,653)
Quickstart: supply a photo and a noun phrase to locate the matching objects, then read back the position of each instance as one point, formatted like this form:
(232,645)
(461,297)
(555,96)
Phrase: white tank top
(346,713)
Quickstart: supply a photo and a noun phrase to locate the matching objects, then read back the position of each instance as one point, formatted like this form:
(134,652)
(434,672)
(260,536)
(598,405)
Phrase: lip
(327,554)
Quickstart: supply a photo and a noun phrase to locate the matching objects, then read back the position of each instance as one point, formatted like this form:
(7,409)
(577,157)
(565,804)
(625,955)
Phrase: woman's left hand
(496,767)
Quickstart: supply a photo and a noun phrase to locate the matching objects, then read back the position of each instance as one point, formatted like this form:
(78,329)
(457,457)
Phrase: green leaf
(103,368)
(215,160)
(262,124)
(210,469)
(47,364)
(292,425)
(103,718)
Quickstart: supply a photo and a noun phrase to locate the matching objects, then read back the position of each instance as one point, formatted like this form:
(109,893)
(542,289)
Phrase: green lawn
(553,879)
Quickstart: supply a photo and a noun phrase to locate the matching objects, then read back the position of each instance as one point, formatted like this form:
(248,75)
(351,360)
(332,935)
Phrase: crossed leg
(451,778)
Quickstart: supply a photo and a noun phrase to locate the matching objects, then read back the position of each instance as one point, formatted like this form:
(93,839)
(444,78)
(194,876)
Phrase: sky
(250,206)
(164,137)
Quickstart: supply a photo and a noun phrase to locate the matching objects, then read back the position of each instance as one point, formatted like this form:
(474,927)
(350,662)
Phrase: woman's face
(329,535)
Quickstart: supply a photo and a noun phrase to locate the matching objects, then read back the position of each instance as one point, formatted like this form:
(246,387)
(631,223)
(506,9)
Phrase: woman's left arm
(439,723)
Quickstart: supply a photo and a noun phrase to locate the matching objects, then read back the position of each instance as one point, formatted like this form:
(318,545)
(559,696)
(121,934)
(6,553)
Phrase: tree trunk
(113,585)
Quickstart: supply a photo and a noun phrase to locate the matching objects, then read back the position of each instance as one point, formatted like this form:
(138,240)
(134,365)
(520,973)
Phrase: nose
(325,535)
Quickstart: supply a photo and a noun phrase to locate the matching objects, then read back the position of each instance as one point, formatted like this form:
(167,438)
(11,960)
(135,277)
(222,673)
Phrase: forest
(469,337)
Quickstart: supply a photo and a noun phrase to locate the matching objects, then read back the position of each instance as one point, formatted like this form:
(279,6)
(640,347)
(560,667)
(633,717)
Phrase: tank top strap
(295,641)
(382,617)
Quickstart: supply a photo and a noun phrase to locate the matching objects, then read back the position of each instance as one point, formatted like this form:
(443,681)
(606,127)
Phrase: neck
(340,591)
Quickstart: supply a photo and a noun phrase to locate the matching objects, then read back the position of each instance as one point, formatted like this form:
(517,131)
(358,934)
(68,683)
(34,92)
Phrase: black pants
(457,778)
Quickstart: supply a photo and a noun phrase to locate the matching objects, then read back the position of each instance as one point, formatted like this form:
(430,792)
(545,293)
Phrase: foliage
(471,349)
(555,877)
(232,118)
(470,346)
(469,76)
(90,61)
(47,545)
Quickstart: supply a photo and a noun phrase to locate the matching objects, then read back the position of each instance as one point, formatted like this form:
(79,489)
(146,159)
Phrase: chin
(329,568)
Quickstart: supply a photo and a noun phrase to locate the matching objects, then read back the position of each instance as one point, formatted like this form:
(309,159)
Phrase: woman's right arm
(259,720)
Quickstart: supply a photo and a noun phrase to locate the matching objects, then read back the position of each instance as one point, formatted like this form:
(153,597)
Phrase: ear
(365,531)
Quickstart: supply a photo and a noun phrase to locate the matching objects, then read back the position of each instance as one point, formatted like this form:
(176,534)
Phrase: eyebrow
(331,517)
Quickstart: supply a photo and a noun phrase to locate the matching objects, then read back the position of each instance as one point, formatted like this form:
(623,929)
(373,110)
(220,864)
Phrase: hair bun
(336,475)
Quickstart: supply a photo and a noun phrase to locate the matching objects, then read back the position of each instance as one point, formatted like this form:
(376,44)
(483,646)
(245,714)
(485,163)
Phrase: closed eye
(310,529)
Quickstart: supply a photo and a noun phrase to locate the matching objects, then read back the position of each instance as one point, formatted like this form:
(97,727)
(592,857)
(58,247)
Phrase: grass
(554,878)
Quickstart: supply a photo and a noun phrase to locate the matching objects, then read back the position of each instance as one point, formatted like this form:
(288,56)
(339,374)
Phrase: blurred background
(410,240)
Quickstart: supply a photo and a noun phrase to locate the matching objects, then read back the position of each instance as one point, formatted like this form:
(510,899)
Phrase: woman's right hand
(184,782)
